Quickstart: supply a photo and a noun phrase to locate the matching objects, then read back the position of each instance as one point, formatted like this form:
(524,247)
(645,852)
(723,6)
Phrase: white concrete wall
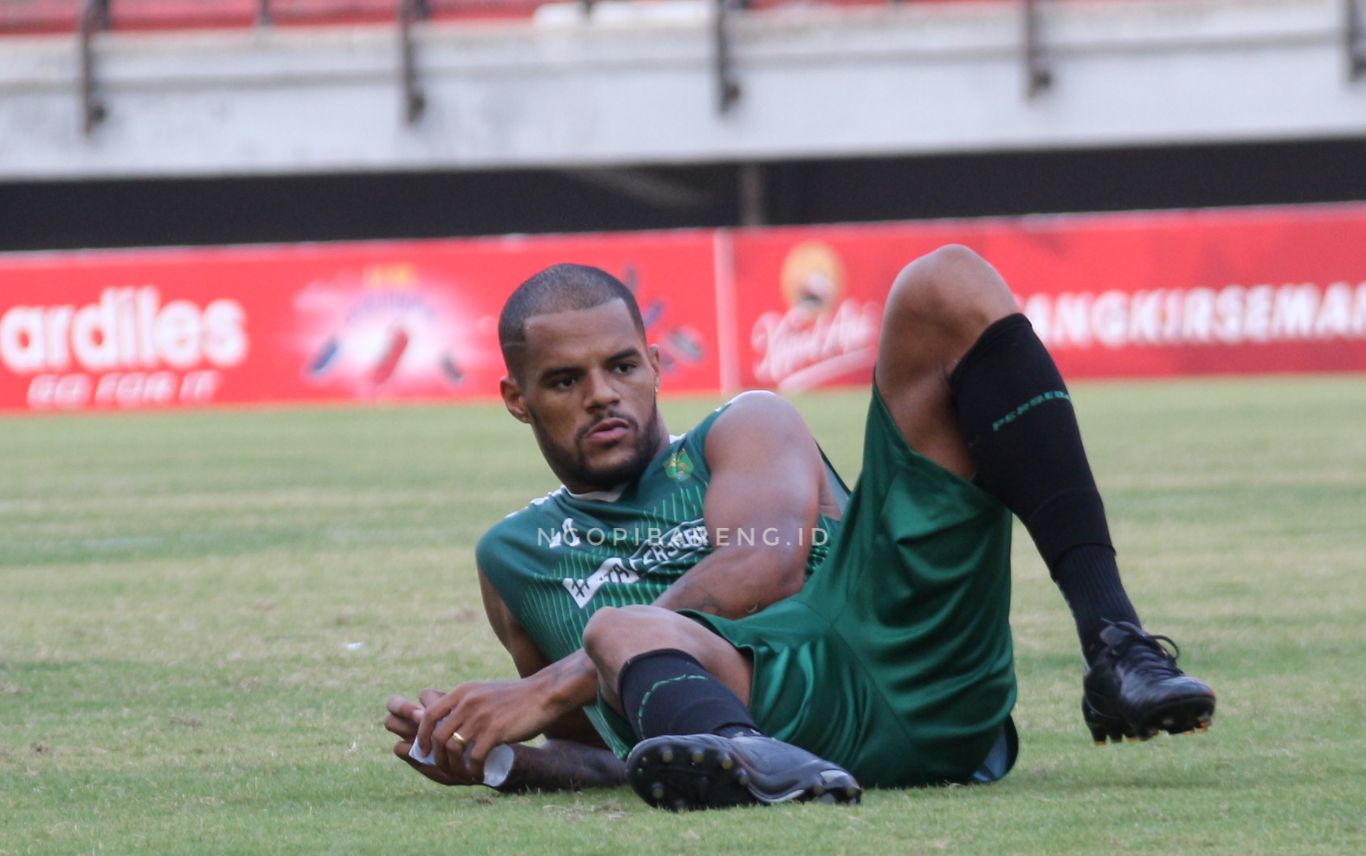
(564,91)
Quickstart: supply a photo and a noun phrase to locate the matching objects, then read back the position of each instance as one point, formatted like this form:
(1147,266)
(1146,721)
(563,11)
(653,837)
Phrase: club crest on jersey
(679,465)
(613,570)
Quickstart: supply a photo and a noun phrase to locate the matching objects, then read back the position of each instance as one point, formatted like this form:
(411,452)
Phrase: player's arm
(573,755)
(556,679)
(556,764)
(761,509)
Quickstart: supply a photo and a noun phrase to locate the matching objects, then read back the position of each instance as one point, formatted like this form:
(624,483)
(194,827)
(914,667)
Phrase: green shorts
(895,660)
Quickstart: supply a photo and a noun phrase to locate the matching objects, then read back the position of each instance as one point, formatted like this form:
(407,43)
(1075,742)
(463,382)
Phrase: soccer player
(641,518)
(892,665)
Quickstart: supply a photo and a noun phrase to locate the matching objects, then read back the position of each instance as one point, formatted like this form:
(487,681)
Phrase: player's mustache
(596,422)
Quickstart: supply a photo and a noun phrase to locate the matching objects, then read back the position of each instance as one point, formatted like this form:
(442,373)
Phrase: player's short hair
(559,288)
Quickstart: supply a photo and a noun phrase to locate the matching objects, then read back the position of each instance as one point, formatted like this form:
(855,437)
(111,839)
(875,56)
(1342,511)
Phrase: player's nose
(601,391)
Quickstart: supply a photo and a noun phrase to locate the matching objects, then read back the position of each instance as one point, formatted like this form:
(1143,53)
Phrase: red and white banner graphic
(1196,293)
(1266,290)
(390,321)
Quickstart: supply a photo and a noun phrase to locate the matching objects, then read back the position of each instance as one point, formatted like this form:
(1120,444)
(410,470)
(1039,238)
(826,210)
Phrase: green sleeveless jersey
(565,555)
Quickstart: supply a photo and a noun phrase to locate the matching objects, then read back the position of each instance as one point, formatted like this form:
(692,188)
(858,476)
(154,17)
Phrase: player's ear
(653,352)
(512,399)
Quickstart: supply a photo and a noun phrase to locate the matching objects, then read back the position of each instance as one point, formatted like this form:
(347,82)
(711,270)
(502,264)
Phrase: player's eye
(624,368)
(564,382)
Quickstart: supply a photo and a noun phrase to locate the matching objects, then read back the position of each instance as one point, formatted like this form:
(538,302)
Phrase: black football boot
(1135,690)
(696,771)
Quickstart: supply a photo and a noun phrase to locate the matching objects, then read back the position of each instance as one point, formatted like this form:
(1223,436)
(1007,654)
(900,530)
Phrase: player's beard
(572,466)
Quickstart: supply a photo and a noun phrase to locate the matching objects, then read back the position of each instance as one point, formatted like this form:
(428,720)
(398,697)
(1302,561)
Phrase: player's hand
(403,719)
(464,725)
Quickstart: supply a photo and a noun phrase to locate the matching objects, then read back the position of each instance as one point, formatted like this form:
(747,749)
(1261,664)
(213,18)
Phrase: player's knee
(599,630)
(952,288)
(610,630)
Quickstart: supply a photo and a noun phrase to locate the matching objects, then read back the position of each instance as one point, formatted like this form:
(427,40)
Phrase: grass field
(202,613)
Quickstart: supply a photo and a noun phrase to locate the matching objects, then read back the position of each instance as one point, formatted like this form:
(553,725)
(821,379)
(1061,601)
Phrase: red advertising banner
(808,302)
(368,322)
(1271,290)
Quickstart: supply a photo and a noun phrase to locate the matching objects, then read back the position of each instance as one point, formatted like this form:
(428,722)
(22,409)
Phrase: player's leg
(936,311)
(972,388)
(618,638)
(683,689)
(959,368)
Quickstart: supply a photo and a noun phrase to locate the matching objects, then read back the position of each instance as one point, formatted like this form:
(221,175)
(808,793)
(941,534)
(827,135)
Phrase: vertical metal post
(94,15)
(263,13)
(727,87)
(752,196)
(414,102)
(1038,76)
(1352,34)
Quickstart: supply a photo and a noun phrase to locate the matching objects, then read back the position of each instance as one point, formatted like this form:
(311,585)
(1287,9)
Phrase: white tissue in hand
(415,753)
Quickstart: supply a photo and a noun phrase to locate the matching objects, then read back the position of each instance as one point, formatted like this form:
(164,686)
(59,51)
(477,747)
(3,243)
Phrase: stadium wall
(1132,295)
(637,84)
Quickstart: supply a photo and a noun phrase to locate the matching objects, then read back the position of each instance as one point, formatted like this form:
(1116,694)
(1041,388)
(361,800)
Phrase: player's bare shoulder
(752,420)
(761,436)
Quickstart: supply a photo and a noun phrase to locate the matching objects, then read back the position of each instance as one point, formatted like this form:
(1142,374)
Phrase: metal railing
(1354,38)
(94,16)
(723,68)
(1037,71)
(414,101)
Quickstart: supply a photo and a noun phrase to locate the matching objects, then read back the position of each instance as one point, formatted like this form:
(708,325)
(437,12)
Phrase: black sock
(1022,434)
(669,692)
(1089,579)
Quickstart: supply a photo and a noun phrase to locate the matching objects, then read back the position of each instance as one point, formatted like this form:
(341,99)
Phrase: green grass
(202,613)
